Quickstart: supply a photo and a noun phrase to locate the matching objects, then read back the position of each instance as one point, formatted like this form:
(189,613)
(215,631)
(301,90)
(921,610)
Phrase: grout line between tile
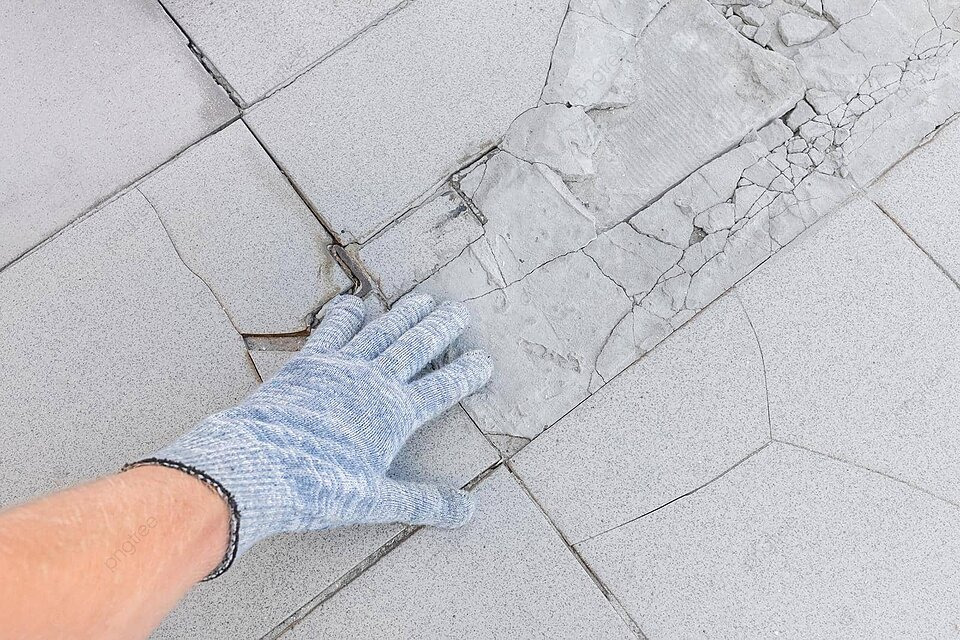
(283,84)
(916,243)
(119,192)
(204,61)
(604,589)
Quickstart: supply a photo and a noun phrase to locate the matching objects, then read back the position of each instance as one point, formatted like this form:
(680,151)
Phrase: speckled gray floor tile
(384,119)
(95,95)
(506,574)
(689,410)
(790,544)
(858,333)
(240,226)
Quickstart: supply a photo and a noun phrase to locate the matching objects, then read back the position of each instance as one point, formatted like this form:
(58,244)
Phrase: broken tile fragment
(503,574)
(531,216)
(238,224)
(632,260)
(795,28)
(858,370)
(561,137)
(689,410)
(362,137)
(594,65)
(418,244)
(745,556)
(135,95)
(702,90)
(750,14)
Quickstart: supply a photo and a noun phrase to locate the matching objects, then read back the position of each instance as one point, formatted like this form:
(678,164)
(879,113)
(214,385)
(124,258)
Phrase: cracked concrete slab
(417,245)
(461,88)
(504,574)
(543,332)
(134,93)
(788,544)
(239,225)
(857,327)
(257,47)
(631,16)
(283,573)
(885,80)
(692,408)
(594,65)
(117,349)
(922,194)
(703,88)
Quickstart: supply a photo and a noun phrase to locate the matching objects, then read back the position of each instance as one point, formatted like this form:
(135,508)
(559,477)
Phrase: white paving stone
(858,330)
(410,250)
(789,544)
(283,573)
(688,411)
(561,137)
(701,90)
(377,124)
(922,193)
(240,226)
(95,95)
(506,574)
(113,348)
(257,46)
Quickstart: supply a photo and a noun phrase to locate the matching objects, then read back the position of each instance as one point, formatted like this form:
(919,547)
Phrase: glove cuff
(234,536)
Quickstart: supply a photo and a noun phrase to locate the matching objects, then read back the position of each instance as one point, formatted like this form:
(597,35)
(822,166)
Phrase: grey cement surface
(719,222)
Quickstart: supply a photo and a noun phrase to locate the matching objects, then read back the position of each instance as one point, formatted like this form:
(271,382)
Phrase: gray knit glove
(311,447)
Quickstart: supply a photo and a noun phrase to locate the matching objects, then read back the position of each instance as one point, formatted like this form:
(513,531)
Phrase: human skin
(110,558)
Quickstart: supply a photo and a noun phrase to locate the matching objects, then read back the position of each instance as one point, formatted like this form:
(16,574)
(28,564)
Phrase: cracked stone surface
(240,226)
(701,90)
(592,181)
(884,81)
(283,573)
(922,194)
(858,333)
(508,560)
(432,235)
(257,47)
(692,408)
(460,90)
(789,544)
(117,349)
(545,329)
(135,95)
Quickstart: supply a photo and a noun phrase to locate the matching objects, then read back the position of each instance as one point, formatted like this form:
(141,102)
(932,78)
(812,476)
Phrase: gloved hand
(310,448)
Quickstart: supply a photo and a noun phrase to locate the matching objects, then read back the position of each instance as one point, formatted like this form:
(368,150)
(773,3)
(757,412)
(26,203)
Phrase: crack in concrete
(763,363)
(680,497)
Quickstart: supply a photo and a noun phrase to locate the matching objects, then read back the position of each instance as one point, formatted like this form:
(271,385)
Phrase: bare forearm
(110,558)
